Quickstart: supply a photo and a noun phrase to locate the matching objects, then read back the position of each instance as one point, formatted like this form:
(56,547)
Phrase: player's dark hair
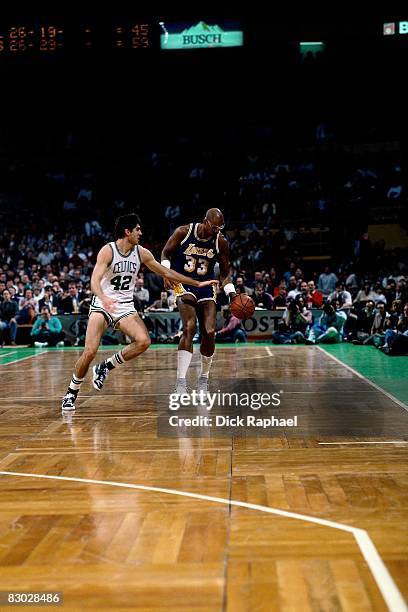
(125,222)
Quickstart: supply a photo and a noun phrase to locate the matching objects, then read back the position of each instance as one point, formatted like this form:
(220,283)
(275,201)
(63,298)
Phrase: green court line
(389,373)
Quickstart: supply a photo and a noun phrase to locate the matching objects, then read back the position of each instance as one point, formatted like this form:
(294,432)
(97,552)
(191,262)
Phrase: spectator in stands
(343,296)
(360,322)
(327,281)
(261,298)
(240,283)
(317,296)
(166,302)
(258,278)
(232,331)
(391,335)
(379,294)
(8,312)
(280,297)
(377,334)
(329,327)
(365,294)
(295,323)
(28,309)
(293,288)
(48,299)
(47,330)
(45,257)
(141,295)
(69,301)
(401,292)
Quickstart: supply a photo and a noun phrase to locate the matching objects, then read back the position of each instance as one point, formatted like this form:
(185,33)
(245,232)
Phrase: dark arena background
(295,127)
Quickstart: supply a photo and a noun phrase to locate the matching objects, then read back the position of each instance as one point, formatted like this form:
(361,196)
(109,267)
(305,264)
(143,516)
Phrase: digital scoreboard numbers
(20,39)
(40,39)
(132,36)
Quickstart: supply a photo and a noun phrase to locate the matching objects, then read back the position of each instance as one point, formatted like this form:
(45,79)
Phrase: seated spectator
(365,294)
(48,300)
(8,312)
(232,330)
(261,298)
(85,303)
(45,257)
(258,278)
(317,296)
(341,295)
(295,323)
(166,302)
(69,301)
(327,282)
(329,327)
(396,340)
(360,322)
(240,283)
(401,292)
(47,330)
(280,297)
(140,295)
(377,333)
(379,295)
(28,309)
(293,288)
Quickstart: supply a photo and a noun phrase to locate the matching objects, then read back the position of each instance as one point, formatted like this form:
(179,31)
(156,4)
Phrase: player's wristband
(166,263)
(229,288)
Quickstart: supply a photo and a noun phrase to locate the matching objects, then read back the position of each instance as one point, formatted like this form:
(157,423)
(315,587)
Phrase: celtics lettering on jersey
(195,256)
(120,278)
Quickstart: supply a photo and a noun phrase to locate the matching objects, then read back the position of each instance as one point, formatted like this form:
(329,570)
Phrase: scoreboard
(54,37)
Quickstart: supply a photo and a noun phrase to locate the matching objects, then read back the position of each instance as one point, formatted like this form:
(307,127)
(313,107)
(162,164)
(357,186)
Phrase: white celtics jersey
(119,280)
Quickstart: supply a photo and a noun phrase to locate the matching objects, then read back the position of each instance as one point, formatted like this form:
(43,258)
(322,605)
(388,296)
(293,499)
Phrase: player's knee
(209,330)
(145,343)
(189,328)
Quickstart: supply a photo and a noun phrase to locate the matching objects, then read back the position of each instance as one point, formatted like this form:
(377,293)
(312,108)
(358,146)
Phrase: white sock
(205,365)
(183,361)
(75,383)
(115,361)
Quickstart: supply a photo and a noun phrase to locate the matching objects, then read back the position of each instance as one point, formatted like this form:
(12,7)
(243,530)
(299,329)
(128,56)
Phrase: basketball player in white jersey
(112,283)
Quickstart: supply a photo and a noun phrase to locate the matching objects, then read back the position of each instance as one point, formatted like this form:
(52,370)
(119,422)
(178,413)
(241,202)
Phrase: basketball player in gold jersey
(194,250)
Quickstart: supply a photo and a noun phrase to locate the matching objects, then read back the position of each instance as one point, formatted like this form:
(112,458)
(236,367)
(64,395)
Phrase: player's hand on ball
(109,304)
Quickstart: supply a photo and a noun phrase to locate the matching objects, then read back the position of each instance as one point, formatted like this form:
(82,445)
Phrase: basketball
(242,306)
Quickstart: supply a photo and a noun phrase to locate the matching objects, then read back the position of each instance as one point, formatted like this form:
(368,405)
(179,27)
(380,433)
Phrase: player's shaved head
(215,216)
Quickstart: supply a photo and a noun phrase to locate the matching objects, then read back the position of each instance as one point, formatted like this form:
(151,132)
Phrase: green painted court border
(389,373)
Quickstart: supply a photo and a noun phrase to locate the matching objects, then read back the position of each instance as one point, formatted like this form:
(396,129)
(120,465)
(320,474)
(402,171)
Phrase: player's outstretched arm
(171,275)
(103,261)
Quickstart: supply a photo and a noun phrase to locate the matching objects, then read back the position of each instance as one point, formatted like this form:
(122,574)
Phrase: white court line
(268,350)
(367,380)
(377,442)
(24,358)
(5,354)
(381,575)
